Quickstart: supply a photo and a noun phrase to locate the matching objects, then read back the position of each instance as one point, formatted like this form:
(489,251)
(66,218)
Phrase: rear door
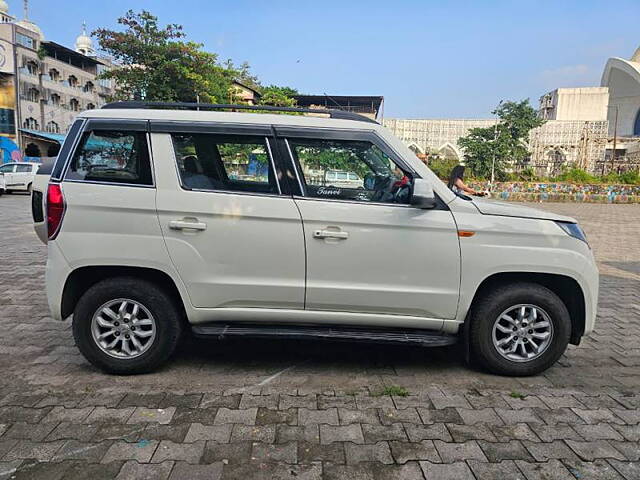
(233,233)
(22,176)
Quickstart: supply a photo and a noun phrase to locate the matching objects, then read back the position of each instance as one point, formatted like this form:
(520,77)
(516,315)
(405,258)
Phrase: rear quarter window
(112,156)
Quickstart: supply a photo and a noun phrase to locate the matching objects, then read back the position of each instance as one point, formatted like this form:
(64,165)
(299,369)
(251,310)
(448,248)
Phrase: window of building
(52,127)
(88,87)
(32,68)
(33,95)
(636,127)
(113,157)
(103,82)
(54,75)
(55,99)
(90,106)
(224,162)
(74,105)
(31,150)
(73,81)
(25,41)
(30,123)
(349,170)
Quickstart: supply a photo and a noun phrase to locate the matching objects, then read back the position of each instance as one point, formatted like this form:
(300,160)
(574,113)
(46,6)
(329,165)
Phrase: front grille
(36,206)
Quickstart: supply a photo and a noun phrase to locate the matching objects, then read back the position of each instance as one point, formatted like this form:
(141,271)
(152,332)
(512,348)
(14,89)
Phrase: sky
(429,59)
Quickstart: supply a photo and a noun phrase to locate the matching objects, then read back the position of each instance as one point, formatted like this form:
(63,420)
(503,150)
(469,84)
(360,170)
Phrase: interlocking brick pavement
(212,412)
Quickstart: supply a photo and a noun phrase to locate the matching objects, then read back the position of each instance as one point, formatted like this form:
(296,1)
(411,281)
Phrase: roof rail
(339,114)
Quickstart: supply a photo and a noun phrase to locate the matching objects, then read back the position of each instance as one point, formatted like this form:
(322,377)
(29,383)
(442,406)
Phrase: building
(592,128)
(42,87)
(575,104)
(369,106)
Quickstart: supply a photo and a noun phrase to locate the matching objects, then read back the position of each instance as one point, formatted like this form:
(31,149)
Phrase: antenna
(26,9)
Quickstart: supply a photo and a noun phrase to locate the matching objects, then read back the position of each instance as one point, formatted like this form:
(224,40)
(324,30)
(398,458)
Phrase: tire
(154,303)
(509,300)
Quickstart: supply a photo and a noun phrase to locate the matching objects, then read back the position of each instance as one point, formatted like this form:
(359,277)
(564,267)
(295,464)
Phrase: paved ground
(258,409)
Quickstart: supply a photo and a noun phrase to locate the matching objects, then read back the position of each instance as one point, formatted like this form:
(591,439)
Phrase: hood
(506,209)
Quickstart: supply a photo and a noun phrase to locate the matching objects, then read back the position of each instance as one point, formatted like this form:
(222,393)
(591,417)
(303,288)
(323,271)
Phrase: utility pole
(495,141)
(615,136)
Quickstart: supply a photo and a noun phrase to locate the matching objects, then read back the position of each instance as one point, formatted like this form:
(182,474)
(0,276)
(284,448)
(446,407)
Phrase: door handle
(186,224)
(330,234)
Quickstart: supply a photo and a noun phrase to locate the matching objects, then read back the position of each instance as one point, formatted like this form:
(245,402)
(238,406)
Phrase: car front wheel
(126,325)
(519,329)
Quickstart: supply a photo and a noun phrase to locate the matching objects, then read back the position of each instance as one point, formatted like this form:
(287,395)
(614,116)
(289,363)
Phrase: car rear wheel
(126,325)
(520,329)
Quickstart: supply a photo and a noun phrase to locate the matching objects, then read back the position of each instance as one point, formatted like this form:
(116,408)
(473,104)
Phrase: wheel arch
(83,278)
(567,289)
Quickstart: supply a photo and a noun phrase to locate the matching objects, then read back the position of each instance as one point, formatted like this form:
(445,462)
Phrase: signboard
(6,57)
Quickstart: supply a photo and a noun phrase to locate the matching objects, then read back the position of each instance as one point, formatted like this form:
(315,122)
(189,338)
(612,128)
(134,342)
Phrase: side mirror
(423,196)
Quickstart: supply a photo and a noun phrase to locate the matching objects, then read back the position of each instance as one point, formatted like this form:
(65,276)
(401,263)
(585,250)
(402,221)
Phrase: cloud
(569,76)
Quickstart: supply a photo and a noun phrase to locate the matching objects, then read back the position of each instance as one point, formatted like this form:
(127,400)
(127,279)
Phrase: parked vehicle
(148,236)
(338,178)
(18,176)
(2,184)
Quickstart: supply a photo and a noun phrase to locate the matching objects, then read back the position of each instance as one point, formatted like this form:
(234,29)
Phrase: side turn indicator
(466,233)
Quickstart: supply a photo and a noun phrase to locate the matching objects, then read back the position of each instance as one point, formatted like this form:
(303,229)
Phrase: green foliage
(155,64)
(393,390)
(632,177)
(518,395)
(278,96)
(576,175)
(442,167)
(504,143)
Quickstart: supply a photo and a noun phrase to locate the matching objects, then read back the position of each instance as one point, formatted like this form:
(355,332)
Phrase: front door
(368,250)
(233,235)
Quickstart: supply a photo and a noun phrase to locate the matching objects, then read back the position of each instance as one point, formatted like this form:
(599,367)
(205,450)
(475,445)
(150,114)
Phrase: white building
(572,104)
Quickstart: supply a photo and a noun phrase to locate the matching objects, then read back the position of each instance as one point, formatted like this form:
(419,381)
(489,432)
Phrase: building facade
(43,85)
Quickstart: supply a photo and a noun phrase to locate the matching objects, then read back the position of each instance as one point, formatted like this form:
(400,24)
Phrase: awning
(51,137)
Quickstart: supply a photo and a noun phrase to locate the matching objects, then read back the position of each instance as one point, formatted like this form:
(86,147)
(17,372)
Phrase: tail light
(55,209)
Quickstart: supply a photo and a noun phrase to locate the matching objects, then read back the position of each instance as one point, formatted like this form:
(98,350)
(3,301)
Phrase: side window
(23,168)
(112,156)
(350,170)
(238,163)
(7,168)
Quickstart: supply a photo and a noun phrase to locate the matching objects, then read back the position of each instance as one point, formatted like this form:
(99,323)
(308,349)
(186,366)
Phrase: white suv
(163,220)
(18,176)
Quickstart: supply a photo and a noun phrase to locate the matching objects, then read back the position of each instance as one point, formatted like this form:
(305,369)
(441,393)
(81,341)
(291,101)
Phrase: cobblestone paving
(272,409)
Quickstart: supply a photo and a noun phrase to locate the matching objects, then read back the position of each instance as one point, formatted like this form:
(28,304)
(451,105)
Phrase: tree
(155,64)
(278,96)
(505,142)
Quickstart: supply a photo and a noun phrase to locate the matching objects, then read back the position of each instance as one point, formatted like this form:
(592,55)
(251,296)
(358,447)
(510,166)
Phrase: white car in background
(2,184)
(19,176)
(341,179)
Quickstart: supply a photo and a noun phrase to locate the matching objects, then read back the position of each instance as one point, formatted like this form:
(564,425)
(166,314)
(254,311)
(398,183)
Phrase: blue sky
(430,59)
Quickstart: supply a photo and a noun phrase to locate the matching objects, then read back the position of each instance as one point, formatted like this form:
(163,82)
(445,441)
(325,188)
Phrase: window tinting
(23,168)
(224,162)
(113,157)
(350,170)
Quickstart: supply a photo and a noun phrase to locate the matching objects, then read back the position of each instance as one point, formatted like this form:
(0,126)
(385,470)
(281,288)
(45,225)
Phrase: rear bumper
(56,274)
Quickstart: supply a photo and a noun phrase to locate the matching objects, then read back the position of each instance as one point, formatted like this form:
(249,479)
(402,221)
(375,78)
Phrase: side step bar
(422,338)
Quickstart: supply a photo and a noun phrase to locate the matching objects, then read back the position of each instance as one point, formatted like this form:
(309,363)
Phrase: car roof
(310,120)
(19,163)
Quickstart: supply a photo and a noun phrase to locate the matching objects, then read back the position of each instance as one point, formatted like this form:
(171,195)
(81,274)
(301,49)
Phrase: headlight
(574,230)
